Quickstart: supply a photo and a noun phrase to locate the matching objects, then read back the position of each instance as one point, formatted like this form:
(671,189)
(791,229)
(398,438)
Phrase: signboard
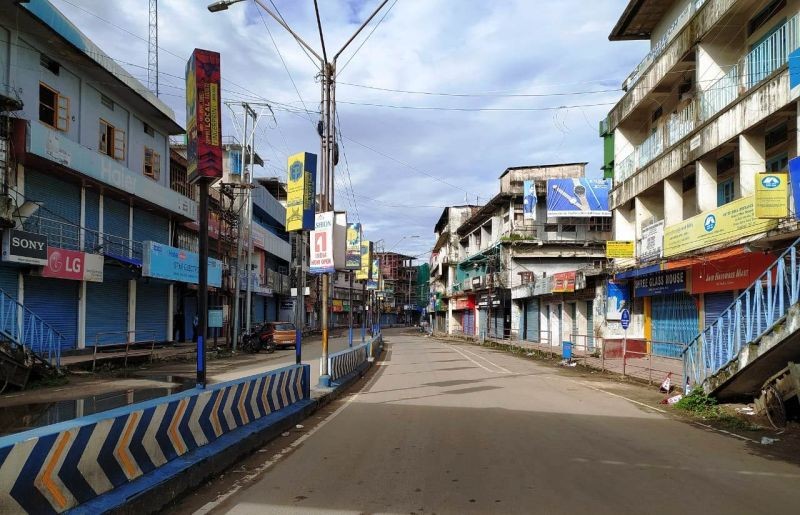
(352,257)
(619,249)
(662,283)
(215,318)
(301,186)
(174,264)
(772,195)
(337,306)
(564,282)
(794,75)
(375,275)
(651,246)
(322,261)
(794,175)
(625,319)
(578,197)
(203,121)
(617,299)
(364,272)
(730,222)
(339,240)
(529,200)
(462,303)
(73,265)
(24,247)
(543,285)
(734,273)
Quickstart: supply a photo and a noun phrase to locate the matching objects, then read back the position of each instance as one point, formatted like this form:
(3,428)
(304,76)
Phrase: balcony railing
(650,147)
(680,124)
(560,232)
(66,235)
(720,94)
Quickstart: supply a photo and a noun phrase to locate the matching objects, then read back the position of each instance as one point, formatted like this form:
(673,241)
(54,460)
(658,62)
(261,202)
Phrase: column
(752,160)
(624,223)
(451,279)
(170,311)
(132,310)
(673,200)
(82,315)
(706,189)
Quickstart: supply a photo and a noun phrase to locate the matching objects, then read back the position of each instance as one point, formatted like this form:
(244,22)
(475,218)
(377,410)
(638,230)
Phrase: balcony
(66,235)
(562,232)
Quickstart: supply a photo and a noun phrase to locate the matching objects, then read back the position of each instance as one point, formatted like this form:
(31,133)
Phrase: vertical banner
(301,186)
(375,274)
(617,298)
(772,200)
(203,121)
(352,258)
(365,271)
(339,239)
(529,200)
(794,178)
(322,260)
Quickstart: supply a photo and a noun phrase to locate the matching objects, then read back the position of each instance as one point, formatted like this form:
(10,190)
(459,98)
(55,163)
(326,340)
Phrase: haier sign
(174,264)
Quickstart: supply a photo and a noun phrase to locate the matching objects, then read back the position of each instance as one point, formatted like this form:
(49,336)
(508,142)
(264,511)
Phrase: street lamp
(222,5)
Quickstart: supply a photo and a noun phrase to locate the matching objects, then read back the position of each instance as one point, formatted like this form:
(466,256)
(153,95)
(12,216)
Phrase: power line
(340,70)
(476,109)
(484,94)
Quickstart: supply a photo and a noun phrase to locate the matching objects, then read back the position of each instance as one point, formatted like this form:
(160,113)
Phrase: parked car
(283,334)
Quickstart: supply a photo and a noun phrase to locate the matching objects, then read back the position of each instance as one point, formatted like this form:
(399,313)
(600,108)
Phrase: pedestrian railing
(115,344)
(24,328)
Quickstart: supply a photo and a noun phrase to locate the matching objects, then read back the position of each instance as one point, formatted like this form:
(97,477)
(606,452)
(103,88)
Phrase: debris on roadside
(765,440)
(746,410)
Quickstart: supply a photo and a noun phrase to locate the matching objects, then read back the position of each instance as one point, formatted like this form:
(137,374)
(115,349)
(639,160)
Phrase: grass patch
(702,406)
(48,381)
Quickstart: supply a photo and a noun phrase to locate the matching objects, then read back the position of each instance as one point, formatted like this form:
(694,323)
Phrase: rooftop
(639,19)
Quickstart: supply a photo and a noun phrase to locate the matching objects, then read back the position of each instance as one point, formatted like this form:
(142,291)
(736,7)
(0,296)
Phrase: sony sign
(24,247)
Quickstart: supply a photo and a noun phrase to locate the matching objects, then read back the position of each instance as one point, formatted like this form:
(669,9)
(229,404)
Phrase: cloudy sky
(441,98)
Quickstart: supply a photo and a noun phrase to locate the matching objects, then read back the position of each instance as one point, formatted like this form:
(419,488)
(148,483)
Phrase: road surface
(445,428)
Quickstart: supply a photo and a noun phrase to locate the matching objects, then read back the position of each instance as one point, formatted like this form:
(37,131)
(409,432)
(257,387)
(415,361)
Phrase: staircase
(755,337)
(29,339)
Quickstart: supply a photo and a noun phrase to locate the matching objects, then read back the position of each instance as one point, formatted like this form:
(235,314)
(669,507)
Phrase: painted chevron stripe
(342,363)
(57,471)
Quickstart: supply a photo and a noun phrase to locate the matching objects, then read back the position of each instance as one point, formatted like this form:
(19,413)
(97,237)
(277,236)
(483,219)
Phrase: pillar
(673,200)
(451,279)
(82,315)
(624,223)
(132,310)
(170,311)
(752,160)
(706,189)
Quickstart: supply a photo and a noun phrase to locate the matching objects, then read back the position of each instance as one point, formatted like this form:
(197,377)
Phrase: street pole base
(325,381)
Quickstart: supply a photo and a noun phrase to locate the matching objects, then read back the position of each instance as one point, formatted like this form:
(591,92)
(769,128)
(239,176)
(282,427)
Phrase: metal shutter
(272,311)
(56,302)
(59,198)
(532,320)
(152,305)
(258,308)
(559,330)
(149,226)
(590,324)
(115,223)
(9,280)
(574,314)
(497,323)
(92,221)
(483,317)
(714,304)
(107,309)
(674,319)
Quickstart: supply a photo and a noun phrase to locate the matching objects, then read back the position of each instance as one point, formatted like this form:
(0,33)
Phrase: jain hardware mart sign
(24,247)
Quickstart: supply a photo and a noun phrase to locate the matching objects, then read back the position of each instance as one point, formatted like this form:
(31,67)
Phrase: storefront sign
(564,282)
(173,264)
(300,189)
(74,265)
(619,249)
(730,222)
(578,197)
(735,273)
(772,195)
(662,283)
(352,258)
(543,285)
(337,306)
(322,261)
(24,247)
(464,303)
(651,246)
(203,121)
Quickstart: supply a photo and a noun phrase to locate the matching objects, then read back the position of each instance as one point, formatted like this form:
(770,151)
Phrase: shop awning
(124,260)
(705,258)
(638,272)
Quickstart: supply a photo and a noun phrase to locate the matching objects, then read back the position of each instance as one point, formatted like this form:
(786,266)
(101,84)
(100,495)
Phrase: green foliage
(698,403)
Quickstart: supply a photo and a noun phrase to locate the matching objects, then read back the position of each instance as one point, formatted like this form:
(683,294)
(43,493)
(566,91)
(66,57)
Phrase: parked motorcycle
(262,337)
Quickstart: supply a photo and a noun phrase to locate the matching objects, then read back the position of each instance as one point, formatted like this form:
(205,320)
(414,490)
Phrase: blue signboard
(625,319)
(617,299)
(794,180)
(578,197)
(174,264)
(215,318)
(663,283)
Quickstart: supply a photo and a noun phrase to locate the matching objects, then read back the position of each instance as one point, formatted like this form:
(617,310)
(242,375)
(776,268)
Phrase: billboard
(301,186)
(352,258)
(203,121)
(772,195)
(529,200)
(619,249)
(617,298)
(174,264)
(578,197)
(375,274)
(365,272)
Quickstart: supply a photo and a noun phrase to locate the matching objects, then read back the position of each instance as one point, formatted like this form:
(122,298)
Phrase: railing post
(781,286)
(793,275)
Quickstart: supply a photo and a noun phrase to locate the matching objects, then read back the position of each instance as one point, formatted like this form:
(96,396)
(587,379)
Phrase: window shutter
(62,118)
(103,141)
(119,145)
(148,162)
(155,162)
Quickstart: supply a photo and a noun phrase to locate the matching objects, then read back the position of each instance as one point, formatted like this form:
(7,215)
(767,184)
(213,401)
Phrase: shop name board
(174,264)
(662,283)
(735,273)
(564,282)
(24,247)
(73,265)
(651,246)
(619,249)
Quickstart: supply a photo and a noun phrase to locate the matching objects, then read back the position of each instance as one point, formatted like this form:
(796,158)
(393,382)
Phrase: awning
(638,272)
(705,258)
(124,260)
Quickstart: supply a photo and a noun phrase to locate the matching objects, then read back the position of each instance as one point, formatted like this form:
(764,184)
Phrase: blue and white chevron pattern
(344,362)
(55,468)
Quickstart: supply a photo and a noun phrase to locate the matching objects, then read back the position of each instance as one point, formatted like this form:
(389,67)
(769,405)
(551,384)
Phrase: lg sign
(72,264)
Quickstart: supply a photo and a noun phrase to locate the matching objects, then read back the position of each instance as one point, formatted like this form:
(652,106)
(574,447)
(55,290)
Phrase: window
(779,163)
(106,101)
(725,163)
(53,108)
(724,192)
(764,15)
(112,141)
(152,164)
(689,183)
(148,130)
(600,224)
(776,136)
(49,64)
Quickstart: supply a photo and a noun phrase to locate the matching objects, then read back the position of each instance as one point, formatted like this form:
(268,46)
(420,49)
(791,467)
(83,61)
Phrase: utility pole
(350,308)
(237,270)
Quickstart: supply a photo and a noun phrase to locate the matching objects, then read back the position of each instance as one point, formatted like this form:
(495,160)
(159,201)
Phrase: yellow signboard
(772,195)
(300,190)
(363,273)
(727,223)
(619,249)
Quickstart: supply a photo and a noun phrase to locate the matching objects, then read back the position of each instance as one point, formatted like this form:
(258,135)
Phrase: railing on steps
(25,328)
(754,313)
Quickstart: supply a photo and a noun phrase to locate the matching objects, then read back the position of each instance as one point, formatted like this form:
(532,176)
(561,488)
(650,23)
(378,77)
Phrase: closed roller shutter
(258,308)
(56,302)
(497,323)
(483,322)
(107,309)
(574,335)
(532,320)
(272,311)
(115,224)
(152,305)
(92,222)
(469,322)
(150,227)
(60,215)
(674,320)
(714,304)
(590,324)
(9,280)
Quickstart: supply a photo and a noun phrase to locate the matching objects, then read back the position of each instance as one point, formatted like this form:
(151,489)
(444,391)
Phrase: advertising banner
(174,264)
(373,283)
(203,121)
(651,246)
(337,306)
(619,249)
(301,186)
(73,265)
(734,273)
(772,195)
(617,298)
(24,247)
(365,272)
(794,176)
(662,283)
(529,200)
(322,260)
(564,282)
(352,258)
(578,197)
(339,240)
(730,222)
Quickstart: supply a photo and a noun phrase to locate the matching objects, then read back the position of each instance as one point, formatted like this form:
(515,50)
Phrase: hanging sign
(24,247)
(203,121)
(364,272)
(322,259)
(352,258)
(300,191)
(772,195)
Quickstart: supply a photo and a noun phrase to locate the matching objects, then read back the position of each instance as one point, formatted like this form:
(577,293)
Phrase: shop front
(464,313)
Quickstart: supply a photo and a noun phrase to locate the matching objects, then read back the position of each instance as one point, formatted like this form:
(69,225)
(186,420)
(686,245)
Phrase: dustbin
(566,350)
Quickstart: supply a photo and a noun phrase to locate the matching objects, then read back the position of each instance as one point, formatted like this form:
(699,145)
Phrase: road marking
(642,404)
(487,360)
(245,481)
(470,359)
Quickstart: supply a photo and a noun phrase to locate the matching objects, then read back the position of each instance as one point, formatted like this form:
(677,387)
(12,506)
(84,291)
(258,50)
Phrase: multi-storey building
(705,115)
(397,273)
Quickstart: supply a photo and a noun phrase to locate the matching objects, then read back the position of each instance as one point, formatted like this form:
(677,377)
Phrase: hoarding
(301,187)
(772,195)
(662,283)
(365,272)
(352,258)
(73,265)
(174,264)
(734,273)
(322,260)
(617,299)
(339,240)
(203,121)
(727,223)
(651,246)
(578,197)
(373,283)
(24,247)
(529,200)
(619,249)
(564,282)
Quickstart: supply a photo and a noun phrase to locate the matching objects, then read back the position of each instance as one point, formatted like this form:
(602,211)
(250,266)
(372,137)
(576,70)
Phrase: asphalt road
(442,428)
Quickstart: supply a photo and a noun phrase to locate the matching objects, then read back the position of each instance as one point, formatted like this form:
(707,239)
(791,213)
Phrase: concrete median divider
(105,461)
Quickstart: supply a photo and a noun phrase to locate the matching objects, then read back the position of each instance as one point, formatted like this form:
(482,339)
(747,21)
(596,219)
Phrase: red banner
(203,121)
(564,282)
(734,273)
(465,302)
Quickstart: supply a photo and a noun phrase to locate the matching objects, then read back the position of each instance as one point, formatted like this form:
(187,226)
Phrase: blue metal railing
(754,313)
(26,329)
